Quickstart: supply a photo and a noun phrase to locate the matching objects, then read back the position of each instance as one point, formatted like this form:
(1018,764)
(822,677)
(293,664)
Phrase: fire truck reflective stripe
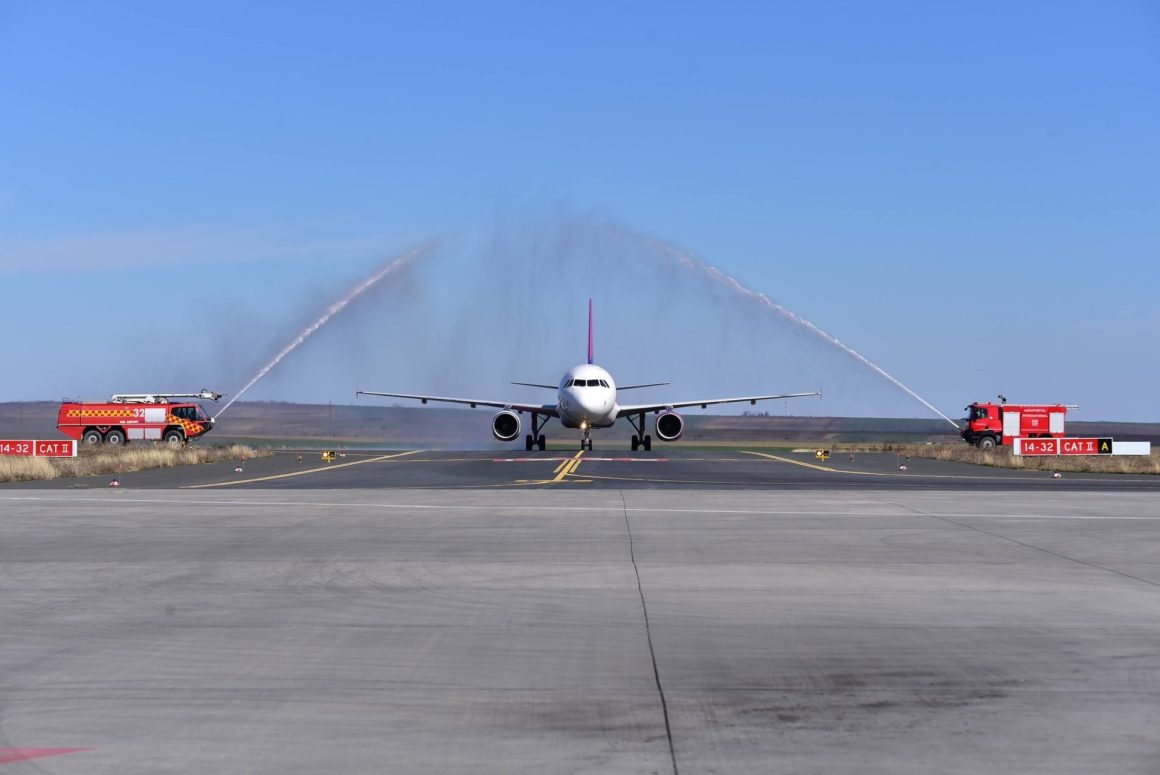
(191,428)
(99,413)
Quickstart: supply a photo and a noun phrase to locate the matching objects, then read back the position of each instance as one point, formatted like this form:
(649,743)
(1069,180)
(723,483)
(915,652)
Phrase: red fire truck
(990,424)
(136,416)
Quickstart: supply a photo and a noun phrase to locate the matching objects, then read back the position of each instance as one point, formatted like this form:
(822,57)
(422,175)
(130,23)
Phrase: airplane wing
(635,387)
(641,408)
(548,410)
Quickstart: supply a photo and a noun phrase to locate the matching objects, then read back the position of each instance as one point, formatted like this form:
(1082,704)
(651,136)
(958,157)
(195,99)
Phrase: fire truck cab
(136,416)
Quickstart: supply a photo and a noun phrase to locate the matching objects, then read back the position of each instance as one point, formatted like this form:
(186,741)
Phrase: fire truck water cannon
(126,417)
(162,398)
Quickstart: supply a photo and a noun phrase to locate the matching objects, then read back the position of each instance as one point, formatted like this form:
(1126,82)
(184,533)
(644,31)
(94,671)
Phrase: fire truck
(993,424)
(136,417)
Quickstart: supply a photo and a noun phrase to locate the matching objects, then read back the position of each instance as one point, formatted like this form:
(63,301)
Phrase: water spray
(692,264)
(393,266)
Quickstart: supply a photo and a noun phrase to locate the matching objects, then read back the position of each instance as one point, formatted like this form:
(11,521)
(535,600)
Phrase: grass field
(92,462)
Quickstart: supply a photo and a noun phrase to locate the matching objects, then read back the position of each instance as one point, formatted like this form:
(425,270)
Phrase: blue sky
(968,194)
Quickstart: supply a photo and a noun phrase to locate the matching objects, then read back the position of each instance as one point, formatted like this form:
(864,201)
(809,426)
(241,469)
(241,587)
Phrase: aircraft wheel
(648,443)
(528,443)
(542,442)
(635,442)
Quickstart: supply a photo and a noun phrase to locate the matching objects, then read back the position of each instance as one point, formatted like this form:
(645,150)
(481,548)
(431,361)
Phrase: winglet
(589,331)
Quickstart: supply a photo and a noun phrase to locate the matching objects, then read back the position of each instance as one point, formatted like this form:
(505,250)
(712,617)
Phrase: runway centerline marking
(299,473)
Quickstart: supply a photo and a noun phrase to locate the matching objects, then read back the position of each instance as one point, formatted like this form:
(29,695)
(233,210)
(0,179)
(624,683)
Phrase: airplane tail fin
(590,331)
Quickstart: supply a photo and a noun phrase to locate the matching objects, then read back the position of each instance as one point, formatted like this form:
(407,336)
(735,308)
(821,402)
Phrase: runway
(603,469)
(682,612)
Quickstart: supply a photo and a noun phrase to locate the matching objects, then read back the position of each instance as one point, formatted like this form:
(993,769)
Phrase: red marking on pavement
(10,755)
(583,459)
(529,459)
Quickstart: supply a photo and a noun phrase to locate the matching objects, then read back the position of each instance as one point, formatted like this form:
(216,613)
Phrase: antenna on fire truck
(162,398)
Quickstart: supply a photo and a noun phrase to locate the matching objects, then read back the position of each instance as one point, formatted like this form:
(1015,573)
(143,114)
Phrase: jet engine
(505,426)
(669,426)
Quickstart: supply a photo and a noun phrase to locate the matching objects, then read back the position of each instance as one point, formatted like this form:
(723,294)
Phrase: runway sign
(38,448)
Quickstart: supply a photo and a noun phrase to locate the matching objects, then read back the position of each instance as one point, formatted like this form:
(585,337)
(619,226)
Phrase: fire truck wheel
(174,437)
(91,438)
(115,437)
(987,442)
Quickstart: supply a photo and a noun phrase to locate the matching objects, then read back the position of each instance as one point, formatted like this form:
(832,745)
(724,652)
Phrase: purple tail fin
(590,331)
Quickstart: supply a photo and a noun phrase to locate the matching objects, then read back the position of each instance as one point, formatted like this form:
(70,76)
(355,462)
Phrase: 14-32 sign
(38,448)
(1064,447)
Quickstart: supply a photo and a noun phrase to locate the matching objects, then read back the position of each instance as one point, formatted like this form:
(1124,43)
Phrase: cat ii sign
(38,448)
(1065,446)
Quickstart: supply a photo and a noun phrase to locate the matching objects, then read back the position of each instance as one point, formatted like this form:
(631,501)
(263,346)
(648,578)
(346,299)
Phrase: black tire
(92,438)
(542,442)
(528,443)
(648,443)
(174,436)
(635,442)
(115,438)
(987,442)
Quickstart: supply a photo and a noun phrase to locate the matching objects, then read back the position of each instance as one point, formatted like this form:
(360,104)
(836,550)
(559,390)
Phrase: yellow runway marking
(300,473)
(804,464)
(899,475)
(568,467)
(565,469)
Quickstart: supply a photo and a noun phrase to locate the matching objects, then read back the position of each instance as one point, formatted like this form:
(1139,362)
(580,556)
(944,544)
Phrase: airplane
(586,399)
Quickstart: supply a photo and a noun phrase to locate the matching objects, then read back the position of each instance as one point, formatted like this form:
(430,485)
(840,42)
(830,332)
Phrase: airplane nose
(592,405)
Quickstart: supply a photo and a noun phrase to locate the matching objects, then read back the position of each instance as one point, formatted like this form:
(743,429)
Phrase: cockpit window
(593,383)
(603,383)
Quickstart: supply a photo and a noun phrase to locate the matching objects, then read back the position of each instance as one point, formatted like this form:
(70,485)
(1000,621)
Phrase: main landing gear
(535,438)
(640,438)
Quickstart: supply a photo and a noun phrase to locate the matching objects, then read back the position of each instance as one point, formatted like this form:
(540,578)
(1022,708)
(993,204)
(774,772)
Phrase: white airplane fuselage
(587,398)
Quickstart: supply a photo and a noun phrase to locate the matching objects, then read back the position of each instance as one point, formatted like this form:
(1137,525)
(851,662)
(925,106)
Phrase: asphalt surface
(606,611)
(613,469)
(577,629)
